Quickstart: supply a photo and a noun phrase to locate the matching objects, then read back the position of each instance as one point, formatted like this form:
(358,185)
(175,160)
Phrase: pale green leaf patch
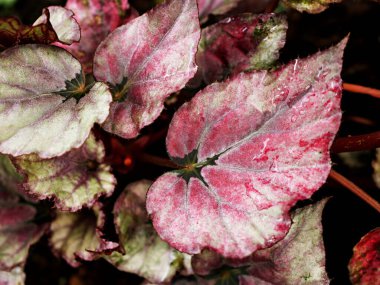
(73,180)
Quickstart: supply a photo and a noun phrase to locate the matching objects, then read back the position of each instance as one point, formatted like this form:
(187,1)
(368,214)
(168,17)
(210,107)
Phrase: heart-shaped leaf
(145,253)
(78,236)
(239,44)
(309,6)
(249,149)
(97,18)
(63,22)
(364,266)
(17,233)
(74,180)
(45,107)
(145,61)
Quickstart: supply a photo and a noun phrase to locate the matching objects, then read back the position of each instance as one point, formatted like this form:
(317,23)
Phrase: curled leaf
(249,149)
(364,266)
(97,18)
(78,236)
(145,61)
(62,20)
(17,232)
(52,113)
(9,178)
(238,44)
(309,6)
(145,253)
(74,180)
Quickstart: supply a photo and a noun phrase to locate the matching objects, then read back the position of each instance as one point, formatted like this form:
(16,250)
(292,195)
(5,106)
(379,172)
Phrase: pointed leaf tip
(145,61)
(250,148)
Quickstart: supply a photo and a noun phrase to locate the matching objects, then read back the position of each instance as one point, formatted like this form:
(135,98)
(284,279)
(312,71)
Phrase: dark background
(346,218)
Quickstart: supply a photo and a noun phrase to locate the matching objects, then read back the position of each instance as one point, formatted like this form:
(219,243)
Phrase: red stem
(361,89)
(355,189)
(356,143)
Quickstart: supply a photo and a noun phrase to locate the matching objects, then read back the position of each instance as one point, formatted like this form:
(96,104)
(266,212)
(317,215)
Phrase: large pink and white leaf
(78,236)
(240,43)
(364,265)
(74,180)
(249,148)
(63,22)
(297,259)
(45,107)
(145,253)
(97,18)
(145,61)
(17,232)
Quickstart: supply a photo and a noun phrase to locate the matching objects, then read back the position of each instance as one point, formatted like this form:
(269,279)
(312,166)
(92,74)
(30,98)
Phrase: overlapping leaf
(78,236)
(9,178)
(310,6)
(145,61)
(55,24)
(45,107)
(364,266)
(216,7)
(73,180)
(63,23)
(97,18)
(297,259)
(239,44)
(249,149)
(145,253)
(17,232)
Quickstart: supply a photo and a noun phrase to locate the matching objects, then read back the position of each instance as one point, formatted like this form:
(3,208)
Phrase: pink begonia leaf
(145,61)
(78,236)
(309,6)
(145,253)
(216,7)
(17,232)
(14,277)
(249,148)
(45,106)
(297,259)
(364,266)
(97,18)
(238,44)
(63,23)
(74,180)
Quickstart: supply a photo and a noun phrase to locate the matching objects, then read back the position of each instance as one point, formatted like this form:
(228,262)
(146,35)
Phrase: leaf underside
(271,134)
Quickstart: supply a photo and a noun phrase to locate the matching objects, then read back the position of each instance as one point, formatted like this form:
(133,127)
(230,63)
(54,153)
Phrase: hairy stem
(361,89)
(355,189)
(356,143)
(156,160)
